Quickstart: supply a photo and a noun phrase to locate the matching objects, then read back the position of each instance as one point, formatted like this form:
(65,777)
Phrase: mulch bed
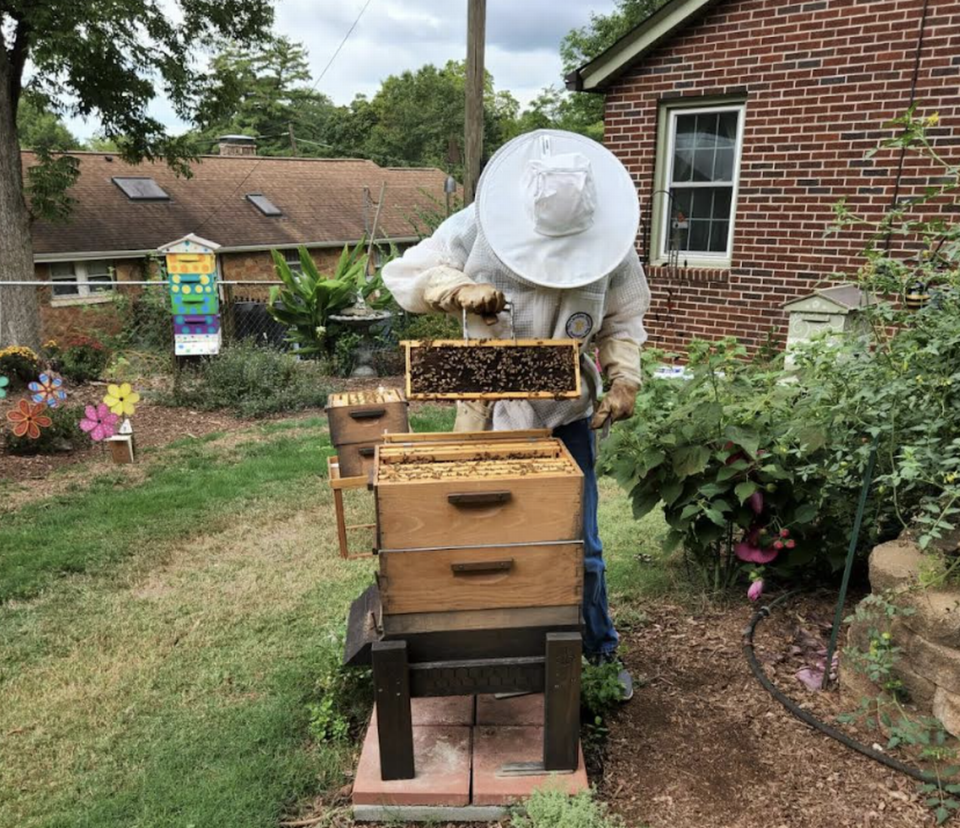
(702,745)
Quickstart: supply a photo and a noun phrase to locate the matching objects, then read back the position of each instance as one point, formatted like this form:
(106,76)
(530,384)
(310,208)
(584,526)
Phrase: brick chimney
(237,145)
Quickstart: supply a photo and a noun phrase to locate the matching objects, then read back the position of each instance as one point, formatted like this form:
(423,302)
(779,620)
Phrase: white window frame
(291,255)
(84,294)
(660,224)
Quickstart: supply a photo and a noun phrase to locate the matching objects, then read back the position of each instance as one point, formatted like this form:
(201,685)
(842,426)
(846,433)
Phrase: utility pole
(293,138)
(473,132)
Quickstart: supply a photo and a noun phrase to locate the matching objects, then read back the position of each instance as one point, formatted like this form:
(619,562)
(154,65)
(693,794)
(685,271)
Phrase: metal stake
(851,554)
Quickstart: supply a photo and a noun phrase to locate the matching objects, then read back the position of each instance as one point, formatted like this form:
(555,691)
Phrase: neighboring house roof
(322,203)
(630,49)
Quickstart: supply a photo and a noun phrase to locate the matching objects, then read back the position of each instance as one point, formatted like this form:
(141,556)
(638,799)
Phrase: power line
(246,178)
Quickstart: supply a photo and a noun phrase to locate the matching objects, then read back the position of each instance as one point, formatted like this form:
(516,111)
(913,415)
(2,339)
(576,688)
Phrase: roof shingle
(322,202)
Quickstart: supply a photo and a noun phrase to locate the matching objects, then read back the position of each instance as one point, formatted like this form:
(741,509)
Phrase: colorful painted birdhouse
(194,295)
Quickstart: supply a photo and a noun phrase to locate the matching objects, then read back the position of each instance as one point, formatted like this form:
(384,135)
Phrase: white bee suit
(606,313)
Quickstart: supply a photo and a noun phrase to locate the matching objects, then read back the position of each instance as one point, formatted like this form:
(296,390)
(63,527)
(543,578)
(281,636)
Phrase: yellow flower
(121,399)
(934,119)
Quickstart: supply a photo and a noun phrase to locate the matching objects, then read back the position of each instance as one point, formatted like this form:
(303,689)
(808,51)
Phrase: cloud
(523,41)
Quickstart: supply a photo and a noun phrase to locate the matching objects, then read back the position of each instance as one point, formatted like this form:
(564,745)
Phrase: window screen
(264,204)
(141,189)
(99,276)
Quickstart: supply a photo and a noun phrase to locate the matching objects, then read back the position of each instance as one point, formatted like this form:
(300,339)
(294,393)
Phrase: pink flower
(784,533)
(99,422)
(755,502)
(790,543)
(755,590)
(778,545)
(753,553)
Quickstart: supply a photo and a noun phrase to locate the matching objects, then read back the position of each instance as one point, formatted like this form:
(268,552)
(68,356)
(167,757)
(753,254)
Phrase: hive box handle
(368,414)
(366,451)
(481,567)
(478,498)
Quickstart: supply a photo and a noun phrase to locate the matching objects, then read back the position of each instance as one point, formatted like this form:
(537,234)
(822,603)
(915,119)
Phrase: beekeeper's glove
(620,359)
(450,290)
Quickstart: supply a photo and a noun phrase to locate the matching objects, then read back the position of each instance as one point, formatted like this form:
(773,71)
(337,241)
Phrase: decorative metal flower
(121,399)
(28,418)
(99,422)
(4,382)
(48,389)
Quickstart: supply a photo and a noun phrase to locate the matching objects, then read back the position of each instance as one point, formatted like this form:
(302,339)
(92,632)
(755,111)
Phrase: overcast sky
(523,39)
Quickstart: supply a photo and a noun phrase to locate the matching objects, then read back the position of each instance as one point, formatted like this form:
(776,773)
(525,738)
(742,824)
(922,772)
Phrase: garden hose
(810,719)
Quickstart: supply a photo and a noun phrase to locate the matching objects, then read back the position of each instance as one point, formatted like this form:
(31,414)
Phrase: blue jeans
(600,636)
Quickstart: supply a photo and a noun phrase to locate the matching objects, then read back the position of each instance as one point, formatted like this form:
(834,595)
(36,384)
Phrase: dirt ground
(702,745)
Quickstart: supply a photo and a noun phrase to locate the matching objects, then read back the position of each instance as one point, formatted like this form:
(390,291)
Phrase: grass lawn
(163,627)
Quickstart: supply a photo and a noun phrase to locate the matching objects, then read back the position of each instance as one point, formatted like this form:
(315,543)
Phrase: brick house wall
(819,79)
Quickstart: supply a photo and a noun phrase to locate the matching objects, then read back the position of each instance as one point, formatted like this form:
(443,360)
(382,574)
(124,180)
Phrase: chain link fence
(138,315)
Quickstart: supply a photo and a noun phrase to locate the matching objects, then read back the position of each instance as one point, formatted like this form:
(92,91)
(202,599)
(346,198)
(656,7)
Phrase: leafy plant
(60,436)
(83,359)
(551,807)
(308,299)
(249,381)
(722,453)
(600,688)
(345,353)
(20,363)
(342,697)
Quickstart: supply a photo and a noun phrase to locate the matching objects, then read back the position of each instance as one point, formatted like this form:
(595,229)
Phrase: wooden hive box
(358,421)
(478,534)
(492,369)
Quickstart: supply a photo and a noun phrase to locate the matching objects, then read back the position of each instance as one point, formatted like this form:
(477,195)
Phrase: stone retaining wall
(929,664)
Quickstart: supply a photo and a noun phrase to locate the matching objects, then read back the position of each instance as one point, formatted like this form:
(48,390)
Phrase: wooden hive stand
(479,586)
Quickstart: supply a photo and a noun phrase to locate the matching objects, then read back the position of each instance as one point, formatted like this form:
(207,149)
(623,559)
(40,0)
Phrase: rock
(894,565)
(946,707)
(936,615)
(939,664)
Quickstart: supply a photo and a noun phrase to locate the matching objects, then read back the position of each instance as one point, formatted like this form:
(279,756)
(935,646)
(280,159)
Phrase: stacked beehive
(191,265)
(358,420)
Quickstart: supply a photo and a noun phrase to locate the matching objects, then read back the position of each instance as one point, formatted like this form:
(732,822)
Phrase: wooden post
(473,122)
(561,713)
(391,683)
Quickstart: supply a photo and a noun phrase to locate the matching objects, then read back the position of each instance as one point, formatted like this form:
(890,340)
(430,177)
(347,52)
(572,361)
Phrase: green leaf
(671,491)
(745,490)
(805,513)
(690,460)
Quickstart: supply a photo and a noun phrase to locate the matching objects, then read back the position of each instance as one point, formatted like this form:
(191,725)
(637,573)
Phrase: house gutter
(44,258)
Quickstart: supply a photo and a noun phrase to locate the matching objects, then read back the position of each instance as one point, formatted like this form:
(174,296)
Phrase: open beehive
(358,421)
(492,369)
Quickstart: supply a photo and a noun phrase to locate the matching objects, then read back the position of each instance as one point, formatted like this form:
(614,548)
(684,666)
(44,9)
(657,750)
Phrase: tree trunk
(19,306)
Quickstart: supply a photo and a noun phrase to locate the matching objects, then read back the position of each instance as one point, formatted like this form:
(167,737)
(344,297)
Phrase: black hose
(808,718)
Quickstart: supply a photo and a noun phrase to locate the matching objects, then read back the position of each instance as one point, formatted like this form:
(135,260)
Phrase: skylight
(141,189)
(264,204)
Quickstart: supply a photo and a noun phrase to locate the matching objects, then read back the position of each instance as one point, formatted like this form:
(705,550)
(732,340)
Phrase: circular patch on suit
(579,325)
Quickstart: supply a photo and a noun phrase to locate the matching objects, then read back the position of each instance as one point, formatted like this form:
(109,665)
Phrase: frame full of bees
(492,369)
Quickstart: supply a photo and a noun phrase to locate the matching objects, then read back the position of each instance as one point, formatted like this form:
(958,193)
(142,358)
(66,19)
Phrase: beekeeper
(552,232)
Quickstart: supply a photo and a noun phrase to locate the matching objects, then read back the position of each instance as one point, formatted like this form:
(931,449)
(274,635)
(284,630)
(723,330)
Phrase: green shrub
(62,435)
(550,807)
(345,353)
(147,321)
(83,359)
(426,326)
(600,688)
(250,381)
(19,364)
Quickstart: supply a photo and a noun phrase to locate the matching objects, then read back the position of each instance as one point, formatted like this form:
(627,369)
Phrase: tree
(270,84)
(38,128)
(104,58)
(416,114)
(579,112)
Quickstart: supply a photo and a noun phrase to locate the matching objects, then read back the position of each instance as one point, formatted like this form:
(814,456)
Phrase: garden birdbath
(360,318)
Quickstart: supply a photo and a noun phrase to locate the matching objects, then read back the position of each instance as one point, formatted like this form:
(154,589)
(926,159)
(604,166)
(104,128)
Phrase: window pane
(65,290)
(706,137)
(686,131)
(723,165)
(62,269)
(703,165)
(718,236)
(727,127)
(98,267)
(707,210)
(682,165)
